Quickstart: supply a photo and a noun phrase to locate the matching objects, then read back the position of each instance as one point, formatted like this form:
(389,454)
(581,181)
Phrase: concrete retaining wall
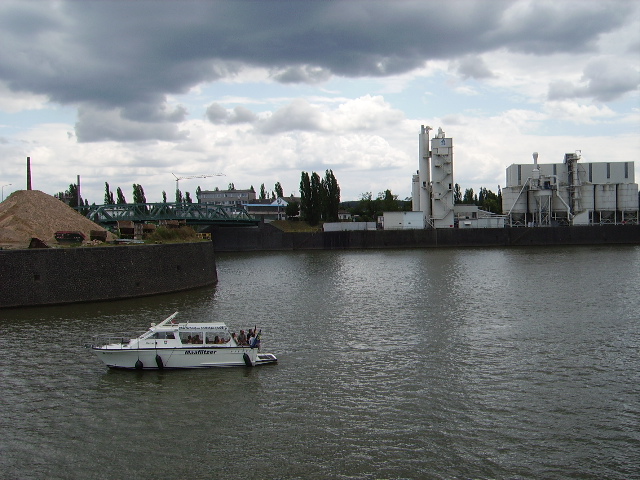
(269,238)
(70,275)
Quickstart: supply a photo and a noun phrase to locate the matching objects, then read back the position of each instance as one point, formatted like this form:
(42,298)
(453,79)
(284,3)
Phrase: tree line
(485,199)
(319,199)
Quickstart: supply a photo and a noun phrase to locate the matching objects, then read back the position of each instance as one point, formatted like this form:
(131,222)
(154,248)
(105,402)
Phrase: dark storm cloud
(129,56)
(473,67)
(100,125)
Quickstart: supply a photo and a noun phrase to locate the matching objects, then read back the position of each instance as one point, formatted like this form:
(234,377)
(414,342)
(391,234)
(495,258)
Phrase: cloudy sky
(131,92)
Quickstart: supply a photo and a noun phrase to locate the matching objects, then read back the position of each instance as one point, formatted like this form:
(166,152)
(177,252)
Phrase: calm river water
(402,364)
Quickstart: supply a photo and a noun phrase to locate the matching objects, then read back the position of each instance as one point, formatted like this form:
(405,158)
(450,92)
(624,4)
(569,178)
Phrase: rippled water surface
(451,363)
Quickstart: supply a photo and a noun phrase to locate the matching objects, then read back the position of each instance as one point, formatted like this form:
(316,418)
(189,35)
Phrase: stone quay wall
(50,276)
(266,237)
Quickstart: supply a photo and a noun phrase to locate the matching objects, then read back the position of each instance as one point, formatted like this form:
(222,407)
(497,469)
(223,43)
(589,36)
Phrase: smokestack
(28,173)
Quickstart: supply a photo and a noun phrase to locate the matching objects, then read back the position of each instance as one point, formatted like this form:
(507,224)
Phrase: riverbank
(266,237)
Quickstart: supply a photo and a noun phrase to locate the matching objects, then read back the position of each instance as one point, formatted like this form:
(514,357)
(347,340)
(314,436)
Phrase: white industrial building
(472,216)
(432,186)
(570,193)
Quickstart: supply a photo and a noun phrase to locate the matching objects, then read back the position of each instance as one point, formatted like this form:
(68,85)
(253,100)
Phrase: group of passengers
(248,339)
(196,340)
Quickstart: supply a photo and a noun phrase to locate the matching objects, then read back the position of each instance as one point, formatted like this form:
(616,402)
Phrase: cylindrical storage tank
(605,197)
(628,196)
(586,197)
(415,193)
(509,197)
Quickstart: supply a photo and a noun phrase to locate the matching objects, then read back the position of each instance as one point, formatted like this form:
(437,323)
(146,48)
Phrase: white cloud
(574,112)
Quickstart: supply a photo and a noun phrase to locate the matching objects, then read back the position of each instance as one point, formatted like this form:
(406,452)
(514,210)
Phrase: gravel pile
(26,214)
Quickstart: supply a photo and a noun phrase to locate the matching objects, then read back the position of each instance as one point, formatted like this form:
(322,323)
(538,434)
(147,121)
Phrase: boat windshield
(163,335)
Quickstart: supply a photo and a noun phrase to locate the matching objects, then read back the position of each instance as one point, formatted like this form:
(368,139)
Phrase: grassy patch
(295,226)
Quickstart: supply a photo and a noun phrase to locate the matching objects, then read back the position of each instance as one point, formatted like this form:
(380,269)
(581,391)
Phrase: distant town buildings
(227,197)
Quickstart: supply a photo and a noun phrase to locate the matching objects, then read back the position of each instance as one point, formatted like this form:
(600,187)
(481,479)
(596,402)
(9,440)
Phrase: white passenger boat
(171,344)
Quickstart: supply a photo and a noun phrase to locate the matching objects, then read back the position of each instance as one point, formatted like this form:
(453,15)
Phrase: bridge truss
(192,213)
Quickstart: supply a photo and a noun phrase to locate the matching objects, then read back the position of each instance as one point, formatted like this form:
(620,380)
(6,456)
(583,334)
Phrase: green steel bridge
(191,213)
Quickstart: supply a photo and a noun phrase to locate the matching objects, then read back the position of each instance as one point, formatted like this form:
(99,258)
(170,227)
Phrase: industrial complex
(570,193)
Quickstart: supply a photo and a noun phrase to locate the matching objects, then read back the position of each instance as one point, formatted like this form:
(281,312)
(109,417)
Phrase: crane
(195,176)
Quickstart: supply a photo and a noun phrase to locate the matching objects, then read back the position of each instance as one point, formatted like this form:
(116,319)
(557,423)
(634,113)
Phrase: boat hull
(173,358)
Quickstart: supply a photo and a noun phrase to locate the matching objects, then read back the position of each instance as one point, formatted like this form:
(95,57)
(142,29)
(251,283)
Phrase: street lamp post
(3,190)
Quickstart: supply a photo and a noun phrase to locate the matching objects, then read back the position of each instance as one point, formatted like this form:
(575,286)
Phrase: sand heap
(26,214)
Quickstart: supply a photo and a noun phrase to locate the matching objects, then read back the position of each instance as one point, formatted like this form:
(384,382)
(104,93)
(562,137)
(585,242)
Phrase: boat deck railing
(113,339)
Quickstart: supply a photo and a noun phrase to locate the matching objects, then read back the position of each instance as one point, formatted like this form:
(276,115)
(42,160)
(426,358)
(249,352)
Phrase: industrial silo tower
(432,187)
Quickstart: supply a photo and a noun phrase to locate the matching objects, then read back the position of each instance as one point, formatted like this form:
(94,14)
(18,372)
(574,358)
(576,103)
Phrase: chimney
(28,173)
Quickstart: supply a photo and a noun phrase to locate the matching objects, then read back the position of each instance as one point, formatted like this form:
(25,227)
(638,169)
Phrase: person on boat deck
(235,338)
(242,338)
(250,335)
(255,340)
(188,339)
(196,339)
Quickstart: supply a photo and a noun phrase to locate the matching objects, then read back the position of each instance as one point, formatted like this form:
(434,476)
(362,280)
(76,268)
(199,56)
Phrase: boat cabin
(188,334)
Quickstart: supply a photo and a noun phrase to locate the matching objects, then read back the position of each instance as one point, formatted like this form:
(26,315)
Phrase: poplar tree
(305,195)
(120,195)
(331,196)
(108,195)
(316,200)
(138,194)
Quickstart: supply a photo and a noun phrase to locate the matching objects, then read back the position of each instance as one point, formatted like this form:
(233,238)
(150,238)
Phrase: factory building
(570,193)
(432,186)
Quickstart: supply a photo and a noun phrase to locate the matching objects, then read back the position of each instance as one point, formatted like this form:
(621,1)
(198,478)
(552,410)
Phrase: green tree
(468,199)
(487,200)
(138,194)
(198,193)
(178,196)
(70,196)
(305,195)
(187,198)
(330,196)
(120,195)
(108,195)
(388,201)
(317,193)
(457,194)
(231,187)
(164,197)
(263,192)
(292,210)
(279,191)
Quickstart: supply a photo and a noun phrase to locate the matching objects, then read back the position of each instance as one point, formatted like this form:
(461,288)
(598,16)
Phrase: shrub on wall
(163,234)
